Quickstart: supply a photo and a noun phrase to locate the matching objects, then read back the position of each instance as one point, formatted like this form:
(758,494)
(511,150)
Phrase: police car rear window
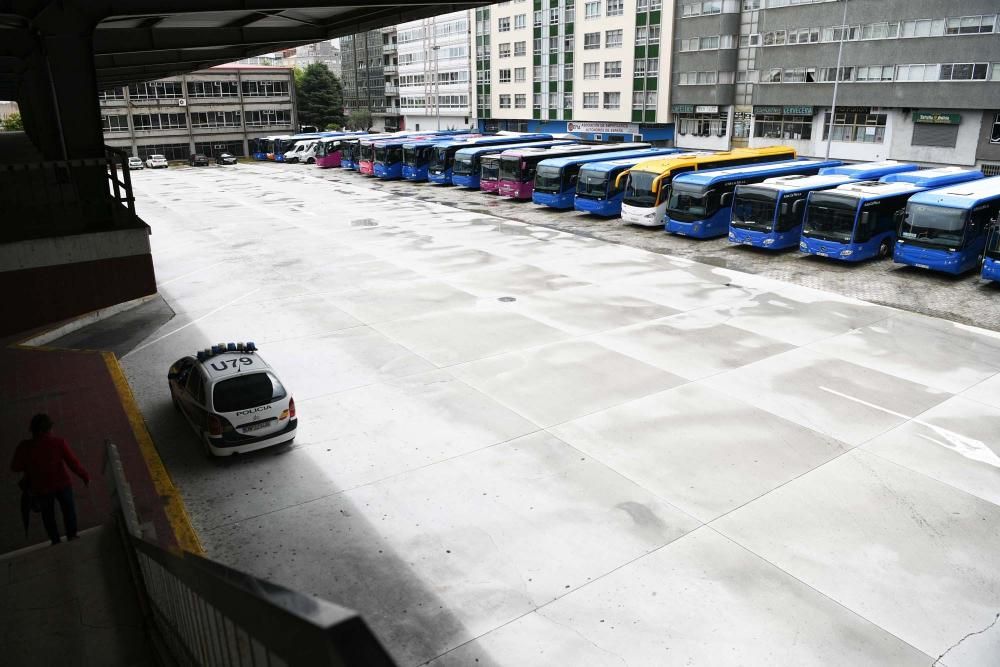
(246,391)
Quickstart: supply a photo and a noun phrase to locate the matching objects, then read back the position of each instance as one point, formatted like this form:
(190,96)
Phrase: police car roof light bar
(231,347)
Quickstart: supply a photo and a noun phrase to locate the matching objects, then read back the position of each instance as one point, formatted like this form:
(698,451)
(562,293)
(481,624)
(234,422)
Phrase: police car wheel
(206,450)
(884,248)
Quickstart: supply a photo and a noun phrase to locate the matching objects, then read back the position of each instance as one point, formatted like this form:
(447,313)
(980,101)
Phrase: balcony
(388,30)
(390,69)
(391,89)
(391,110)
(389,48)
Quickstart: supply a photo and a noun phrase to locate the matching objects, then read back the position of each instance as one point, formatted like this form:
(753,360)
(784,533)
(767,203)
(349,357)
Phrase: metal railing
(203,613)
(61,197)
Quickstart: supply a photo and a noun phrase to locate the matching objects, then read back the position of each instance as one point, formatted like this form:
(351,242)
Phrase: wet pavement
(522,446)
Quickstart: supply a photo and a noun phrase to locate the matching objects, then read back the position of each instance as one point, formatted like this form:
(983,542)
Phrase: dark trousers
(68,507)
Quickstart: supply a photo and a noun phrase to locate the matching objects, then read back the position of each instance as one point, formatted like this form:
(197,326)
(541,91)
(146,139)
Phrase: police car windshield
(246,391)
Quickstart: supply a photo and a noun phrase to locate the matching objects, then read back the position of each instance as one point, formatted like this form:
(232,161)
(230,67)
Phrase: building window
(654,34)
(616,7)
(783,127)
(640,35)
(216,119)
(592,10)
(160,121)
(969,25)
(612,100)
(505,101)
(963,72)
(213,89)
(155,90)
(116,123)
(613,39)
(505,76)
(113,94)
(864,128)
(591,70)
(520,101)
(265,88)
(520,21)
(591,100)
(520,48)
(519,74)
(503,50)
(503,25)
(613,69)
(539,18)
(828,74)
(650,99)
(803,74)
(553,100)
(696,78)
(638,99)
(653,67)
(536,101)
(592,40)
(639,68)
(702,124)
(568,72)
(537,46)
(875,73)
(568,101)
(268,118)
(554,16)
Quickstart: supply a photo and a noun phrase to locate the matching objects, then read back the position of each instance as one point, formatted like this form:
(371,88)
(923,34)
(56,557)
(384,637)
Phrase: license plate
(256,426)
(822,254)
(922,266)
(746,242)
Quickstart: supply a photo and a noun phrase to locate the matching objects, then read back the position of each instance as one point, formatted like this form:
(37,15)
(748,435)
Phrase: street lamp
(437,87)
(836,79)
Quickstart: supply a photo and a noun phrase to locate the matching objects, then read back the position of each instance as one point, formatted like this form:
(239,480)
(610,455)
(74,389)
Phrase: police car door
(193,398)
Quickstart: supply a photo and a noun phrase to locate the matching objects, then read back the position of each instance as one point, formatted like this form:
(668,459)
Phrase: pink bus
(489,168)
(329,152)
(517,167)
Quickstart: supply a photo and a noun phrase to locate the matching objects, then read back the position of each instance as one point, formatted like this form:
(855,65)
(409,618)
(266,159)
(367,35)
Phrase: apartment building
(919,80)
(366,58)
(592,67)
(209,111)
(325,53)
(433,81)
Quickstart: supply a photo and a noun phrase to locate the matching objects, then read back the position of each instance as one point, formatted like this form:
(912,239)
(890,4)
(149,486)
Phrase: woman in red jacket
(43,460)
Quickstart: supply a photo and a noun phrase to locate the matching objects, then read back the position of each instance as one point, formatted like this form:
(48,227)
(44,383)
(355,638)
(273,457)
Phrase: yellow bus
(647,188)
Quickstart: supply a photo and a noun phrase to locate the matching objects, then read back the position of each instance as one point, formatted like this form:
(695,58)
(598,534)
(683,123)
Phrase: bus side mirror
(656,187)
(898,217)
(798,206)
(726,199)
(784,209)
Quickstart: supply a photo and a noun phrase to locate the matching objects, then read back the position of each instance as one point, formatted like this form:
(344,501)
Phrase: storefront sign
(706,108)
(602,127)
(775,110)
(682,108)
(937,118)
(864,110)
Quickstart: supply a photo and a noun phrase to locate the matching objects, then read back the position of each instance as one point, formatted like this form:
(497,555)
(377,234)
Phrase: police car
(232,399)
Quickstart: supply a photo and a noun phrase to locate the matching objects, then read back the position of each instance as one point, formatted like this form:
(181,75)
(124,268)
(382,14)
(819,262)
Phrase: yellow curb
(177,515)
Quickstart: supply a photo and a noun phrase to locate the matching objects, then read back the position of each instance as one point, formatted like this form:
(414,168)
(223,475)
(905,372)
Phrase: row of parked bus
(942,219)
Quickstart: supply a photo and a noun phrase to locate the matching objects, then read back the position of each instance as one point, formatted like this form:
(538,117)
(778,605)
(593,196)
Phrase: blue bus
(858,221)
(991,256)
(599,191)
(769,215)
(467,162)
(700,202)
(443,155)
(556,177)
(946,229)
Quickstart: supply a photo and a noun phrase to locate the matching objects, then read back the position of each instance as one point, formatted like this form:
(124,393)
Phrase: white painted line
(195,321)
(189,273)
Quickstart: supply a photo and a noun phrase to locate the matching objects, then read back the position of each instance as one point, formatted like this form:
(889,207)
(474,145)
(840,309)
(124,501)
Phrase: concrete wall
(964,152)
(985,150)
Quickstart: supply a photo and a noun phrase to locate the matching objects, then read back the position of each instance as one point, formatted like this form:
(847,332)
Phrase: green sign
(682,108)
(937,118)
(775,110)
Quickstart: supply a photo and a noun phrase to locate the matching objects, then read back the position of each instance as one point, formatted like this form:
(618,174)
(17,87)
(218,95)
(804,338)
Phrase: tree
(360,119)
(320,97)
(13,122)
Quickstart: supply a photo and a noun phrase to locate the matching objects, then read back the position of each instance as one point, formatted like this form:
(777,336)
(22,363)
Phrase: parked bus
(489,166)
(351,149)
(467,164)
(700,203)
(517,169)
(329,150)
(946,229)
(858,221)
(262,148)
(443,156)
(597,185)
(991,256)
(769,215)
(556,178)
(647,185)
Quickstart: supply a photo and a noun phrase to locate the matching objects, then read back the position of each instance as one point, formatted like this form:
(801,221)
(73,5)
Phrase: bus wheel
(885,248)
(311,160)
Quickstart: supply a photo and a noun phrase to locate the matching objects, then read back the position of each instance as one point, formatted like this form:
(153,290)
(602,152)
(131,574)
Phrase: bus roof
(624,159)
(592,152)
(798,183)
(608,165)
(867,190)
(864,171)
(661,165)
(569,160)
(472,151)
(500,139)
(934,178)
(961,195)
(712,176)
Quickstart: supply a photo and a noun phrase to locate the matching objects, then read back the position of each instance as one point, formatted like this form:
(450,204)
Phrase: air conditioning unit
(182,102)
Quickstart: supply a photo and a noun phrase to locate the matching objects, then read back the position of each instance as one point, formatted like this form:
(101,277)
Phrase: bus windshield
(462,165)
(380,153)
(688,203)
(993,244)
(510,169)
(753,208)
(411,157)
(639,189)
(548,179)
(440,159)
(934,225)
(393,154)
(489,169)
(592,184)
(830,217)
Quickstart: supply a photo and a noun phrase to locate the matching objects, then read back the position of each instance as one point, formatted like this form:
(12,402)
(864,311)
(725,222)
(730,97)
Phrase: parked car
(232,399)
(135,163)
(157,162)
(225,158)
(198,160)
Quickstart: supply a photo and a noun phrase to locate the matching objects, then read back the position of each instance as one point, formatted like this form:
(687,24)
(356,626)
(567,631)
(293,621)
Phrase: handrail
(205,613)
